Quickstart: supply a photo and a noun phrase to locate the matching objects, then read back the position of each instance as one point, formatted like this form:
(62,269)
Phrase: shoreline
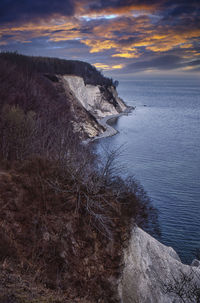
(109,130)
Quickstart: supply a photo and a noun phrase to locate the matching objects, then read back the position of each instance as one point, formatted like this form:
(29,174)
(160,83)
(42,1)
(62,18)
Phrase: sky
(123,38)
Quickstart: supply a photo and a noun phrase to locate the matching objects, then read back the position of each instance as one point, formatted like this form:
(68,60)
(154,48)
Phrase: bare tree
(185,286)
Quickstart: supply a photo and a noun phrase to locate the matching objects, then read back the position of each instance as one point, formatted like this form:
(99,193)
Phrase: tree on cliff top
(54,66)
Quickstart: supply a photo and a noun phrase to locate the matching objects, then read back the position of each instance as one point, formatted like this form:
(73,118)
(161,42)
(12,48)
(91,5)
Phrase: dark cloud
(25,10)
(180,13)
(168,62)
(194,63)
(40,47)
(169,7)
(101,4)
(164,62)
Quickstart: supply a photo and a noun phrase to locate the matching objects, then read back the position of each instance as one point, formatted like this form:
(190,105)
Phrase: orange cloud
(57,29)
(108,67)
(124,27)
(160,47)
(127,55)
(118,66)
(186,45)
(189,54)
(172,40)
(99,45)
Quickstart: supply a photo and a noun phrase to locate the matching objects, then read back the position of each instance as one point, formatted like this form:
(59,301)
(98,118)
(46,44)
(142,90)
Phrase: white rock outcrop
(149,267)
(92,98)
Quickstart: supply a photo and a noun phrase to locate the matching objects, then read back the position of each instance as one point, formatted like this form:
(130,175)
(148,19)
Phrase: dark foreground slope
(64,216)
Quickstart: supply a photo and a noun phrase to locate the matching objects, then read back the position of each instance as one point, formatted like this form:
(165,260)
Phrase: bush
(17,132)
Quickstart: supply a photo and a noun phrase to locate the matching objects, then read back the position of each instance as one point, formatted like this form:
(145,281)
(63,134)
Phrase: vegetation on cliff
(55,66)
(65,216)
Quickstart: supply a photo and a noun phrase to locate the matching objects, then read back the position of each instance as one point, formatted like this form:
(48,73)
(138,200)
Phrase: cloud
(176,10)
(194,63)
(164,62)
(127,55)
(168,62)
(139,34)
(104,66)
(100,45)
(24,10)
(119,6)
(61,29)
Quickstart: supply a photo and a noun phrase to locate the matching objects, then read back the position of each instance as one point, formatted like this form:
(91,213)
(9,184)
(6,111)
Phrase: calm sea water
(161,141)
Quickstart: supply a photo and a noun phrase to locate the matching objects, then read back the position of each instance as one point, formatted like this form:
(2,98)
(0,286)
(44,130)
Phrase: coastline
(109,130)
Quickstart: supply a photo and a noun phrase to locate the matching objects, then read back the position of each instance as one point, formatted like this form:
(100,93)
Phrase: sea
(160,143)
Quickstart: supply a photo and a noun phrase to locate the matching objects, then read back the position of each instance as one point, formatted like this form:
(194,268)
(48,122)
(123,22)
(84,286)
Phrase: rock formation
(153,273)
(97,100)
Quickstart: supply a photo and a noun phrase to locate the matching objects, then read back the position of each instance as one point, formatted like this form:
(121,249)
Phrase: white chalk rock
(92,99)
(149,267)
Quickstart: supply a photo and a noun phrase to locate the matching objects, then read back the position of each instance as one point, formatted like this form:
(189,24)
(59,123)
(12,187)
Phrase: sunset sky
(120,37)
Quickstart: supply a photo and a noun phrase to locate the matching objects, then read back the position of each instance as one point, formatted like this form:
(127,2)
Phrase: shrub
(17,132)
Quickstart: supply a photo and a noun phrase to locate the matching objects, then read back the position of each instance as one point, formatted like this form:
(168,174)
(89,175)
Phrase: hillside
(65,217)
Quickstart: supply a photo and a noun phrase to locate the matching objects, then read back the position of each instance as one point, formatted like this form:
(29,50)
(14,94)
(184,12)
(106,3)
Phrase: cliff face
(151,269)
(90,104)
(100,101)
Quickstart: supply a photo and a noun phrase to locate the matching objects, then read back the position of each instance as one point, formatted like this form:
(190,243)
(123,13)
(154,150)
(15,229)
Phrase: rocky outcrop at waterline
(153,273)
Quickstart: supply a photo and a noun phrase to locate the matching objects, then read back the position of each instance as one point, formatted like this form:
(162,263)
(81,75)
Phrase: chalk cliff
(97,101)
(100,101)
(151,269)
